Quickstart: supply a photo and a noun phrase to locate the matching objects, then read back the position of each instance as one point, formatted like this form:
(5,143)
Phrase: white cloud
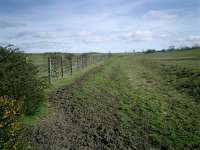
(187,41)
(42,46)
(143,35)
(159,14)
(10,24)
(82,36)
(194,38)
(49,35)
(92,37)
(114,24)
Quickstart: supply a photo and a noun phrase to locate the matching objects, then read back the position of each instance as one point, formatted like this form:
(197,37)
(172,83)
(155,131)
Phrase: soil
(75,127)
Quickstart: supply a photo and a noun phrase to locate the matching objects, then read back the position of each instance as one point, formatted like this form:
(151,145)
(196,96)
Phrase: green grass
(41,61)
(44,109)
(68,79)
(146,105)
(184,53)
(152,103)
(174,58)
(178,68)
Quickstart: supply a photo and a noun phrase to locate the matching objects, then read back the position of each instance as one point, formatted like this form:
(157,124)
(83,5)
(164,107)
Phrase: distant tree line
(172,48)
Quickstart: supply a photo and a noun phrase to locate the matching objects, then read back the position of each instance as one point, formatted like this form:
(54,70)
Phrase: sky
(98,25)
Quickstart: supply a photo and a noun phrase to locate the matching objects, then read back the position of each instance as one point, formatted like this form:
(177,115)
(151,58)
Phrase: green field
(186,59)
(140,101)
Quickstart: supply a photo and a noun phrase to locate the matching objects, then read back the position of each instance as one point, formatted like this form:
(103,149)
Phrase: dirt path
(73,126)
(123,105)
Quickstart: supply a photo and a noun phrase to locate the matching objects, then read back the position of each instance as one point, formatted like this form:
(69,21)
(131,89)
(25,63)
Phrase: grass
(181,71)
(191,57)
(175,54)
(169,116)
(152,113)
(68,79)
(44,109)
(40,60)
(135,102)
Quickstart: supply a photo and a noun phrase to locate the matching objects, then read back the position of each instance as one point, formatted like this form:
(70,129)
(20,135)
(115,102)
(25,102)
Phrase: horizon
(99,26)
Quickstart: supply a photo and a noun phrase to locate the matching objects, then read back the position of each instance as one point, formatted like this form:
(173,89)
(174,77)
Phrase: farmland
(99,75)
(135,101)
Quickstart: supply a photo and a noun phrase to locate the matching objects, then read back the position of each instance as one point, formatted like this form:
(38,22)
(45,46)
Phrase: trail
(122,105)
(73,126)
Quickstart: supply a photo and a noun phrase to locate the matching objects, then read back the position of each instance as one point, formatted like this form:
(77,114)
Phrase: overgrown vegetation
(19,79)
(9,127)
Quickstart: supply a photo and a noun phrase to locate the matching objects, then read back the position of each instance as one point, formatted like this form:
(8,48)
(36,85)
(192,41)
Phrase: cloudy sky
(98,25)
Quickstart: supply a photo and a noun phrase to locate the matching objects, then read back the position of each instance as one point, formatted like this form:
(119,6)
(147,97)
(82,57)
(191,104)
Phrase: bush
(9,129)
(19,79)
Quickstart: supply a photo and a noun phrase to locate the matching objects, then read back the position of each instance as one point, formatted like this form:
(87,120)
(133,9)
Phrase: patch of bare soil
(76,126)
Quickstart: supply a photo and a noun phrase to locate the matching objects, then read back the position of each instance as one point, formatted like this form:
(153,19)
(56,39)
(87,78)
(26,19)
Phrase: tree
(171,48)
(150,51)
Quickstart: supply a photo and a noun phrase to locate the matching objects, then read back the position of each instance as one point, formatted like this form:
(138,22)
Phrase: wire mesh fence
(55,66)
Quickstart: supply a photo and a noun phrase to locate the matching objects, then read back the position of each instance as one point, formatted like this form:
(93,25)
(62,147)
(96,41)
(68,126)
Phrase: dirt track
(74,126)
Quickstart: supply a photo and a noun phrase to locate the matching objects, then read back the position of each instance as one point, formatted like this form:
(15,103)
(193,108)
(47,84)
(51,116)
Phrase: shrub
(9,128)
(19,79)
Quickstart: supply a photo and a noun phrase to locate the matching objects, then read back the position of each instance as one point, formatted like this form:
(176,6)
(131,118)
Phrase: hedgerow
(19,79)
(9,128)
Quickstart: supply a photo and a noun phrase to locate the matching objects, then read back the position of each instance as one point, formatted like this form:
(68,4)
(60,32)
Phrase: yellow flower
(14,112)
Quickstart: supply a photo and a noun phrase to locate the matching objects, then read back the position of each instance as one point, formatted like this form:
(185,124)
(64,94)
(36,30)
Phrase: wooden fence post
(86,60)
(82,61)
(71,65)
(77,62)
(61,62)
(49,69)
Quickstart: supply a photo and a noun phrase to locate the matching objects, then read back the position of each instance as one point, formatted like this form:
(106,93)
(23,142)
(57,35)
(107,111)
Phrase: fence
(54,66)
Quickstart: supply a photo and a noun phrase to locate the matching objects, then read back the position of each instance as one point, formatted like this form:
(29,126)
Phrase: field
(135,101)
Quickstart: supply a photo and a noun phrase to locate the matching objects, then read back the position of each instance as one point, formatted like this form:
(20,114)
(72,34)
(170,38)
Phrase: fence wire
(55,66)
